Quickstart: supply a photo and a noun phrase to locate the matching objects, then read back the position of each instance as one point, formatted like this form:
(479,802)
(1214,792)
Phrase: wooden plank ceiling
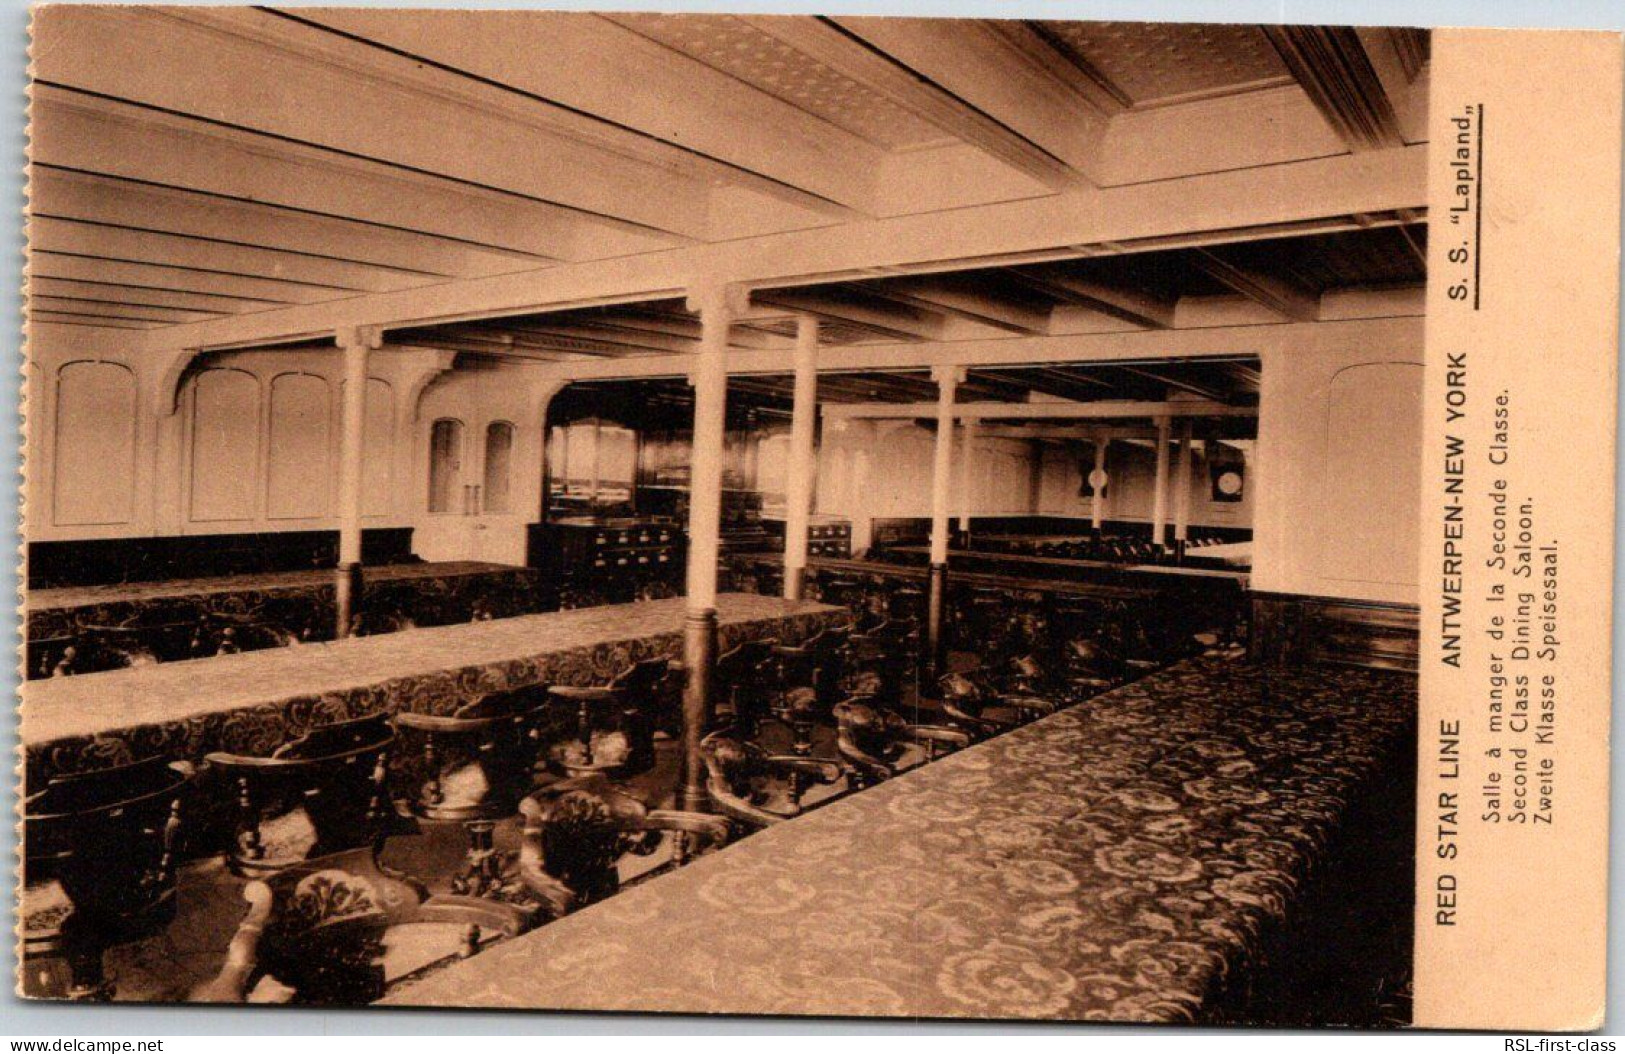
(768,398)
(196,164)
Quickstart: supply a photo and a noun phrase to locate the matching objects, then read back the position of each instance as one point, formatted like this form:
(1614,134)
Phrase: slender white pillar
(1097,499)
(356,343)
(561,459)
(710,380)
(717,307)
(947,378)
(936,619)
(798,491)
(1159,505)
(594,480)
(967,470)
(1182,484)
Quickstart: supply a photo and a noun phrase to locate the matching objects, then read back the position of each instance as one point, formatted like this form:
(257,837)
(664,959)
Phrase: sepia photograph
(840,517)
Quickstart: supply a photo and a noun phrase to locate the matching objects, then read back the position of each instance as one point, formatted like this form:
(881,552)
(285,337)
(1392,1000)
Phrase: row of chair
(327,795)
(95,649)
(858,683)
(309,818)
(1113,548)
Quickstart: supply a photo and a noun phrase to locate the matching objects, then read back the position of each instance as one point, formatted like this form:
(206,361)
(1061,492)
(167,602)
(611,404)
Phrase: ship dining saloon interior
(835,516)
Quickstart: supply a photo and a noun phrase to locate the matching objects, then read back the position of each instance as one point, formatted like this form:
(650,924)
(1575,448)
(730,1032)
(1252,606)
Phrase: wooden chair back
(335,773)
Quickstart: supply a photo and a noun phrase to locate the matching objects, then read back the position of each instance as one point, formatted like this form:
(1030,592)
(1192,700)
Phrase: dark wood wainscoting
(1290,629)
(114,560)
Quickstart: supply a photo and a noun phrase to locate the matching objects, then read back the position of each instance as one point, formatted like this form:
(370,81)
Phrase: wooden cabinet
(609,561)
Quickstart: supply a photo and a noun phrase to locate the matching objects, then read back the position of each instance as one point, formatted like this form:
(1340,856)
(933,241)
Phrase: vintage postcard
(1014,519)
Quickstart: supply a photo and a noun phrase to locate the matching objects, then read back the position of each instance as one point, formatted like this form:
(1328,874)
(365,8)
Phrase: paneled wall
(1130,493)
(878,469)
(486,466)
(250,446)
(247,442)
(1339,467)
(95,436)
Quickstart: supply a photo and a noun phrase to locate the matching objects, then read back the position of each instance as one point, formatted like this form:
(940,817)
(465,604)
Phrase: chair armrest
(938,734)
(489,914)
(821,769)
(221,759)
(230,985)
(737,808)
(877,768)
(986,725)
(1022,701)
(711,828)
(578,694)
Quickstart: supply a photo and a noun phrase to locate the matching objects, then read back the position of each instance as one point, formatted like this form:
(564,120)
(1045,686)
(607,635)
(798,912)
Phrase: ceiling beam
(1307,196)
(602,86)
(542,339)
(121,203)
(488,345)
(1182,383)
(1225,343)
(1068,66)
(1331,65)
(50,264)
(849,53)
(1102,408)
(905,322)
(991,74)
(1120,302)
(640,318)
(1063,383)
(1064,434)
(1281,296)
(116,309)
(74,318)
(1400,57)
(186,63)
(152,296)
(941,294)
(83,238)
(606,336)
(105,138)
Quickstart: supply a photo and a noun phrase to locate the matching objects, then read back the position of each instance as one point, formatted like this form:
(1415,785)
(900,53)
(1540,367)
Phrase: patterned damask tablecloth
(1113,862)
(254,701)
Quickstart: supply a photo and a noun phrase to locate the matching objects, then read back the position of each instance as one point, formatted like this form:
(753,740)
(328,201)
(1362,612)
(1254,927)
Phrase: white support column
(357,343)
(594,479)
(967,473)
(1182,485)
(948,379)
(1097,499)
(799,485)
(1159,505)
(563,459)
(717,307)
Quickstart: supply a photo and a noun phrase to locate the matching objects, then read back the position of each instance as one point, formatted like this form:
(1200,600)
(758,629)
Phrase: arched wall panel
(225,448)
(1371,486)
(95,444)
(299,471)
(378,450)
